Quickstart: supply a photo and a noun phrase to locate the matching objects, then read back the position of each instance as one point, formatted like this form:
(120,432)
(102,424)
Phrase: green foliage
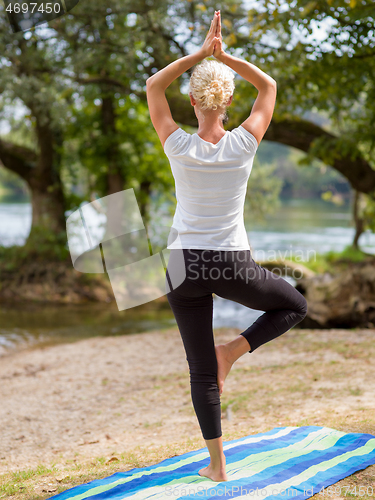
(41,247)
(21,132)
(73,201)
(332,260)
(140,154)
(349,253)
(332,74)
(368,212)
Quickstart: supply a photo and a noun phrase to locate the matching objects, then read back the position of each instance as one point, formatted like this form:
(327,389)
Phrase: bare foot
(215,475)
(224,365)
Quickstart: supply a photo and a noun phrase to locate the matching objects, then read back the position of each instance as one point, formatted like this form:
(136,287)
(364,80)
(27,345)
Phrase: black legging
(235,276)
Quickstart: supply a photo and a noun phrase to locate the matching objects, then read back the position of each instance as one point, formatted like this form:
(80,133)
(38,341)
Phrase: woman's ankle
(237,348)
(218,465)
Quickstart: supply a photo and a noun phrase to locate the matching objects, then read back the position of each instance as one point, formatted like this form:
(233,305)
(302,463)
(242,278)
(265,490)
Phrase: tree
(107,56)
(31,74)
(335,78)
(110,59)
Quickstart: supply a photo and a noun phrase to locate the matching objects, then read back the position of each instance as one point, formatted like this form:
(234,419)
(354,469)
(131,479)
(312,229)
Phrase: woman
(211,170)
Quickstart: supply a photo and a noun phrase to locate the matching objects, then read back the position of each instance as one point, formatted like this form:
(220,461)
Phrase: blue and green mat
(285,462)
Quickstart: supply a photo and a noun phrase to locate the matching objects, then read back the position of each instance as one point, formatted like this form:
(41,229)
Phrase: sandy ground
(106,395)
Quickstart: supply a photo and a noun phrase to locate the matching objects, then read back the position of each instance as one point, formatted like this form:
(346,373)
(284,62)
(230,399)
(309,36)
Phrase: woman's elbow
(150,80)
(273,82)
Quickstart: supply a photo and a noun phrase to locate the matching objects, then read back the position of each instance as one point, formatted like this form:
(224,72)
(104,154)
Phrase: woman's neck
(214,130)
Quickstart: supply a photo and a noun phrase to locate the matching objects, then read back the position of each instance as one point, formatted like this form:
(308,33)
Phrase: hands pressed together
(212,45)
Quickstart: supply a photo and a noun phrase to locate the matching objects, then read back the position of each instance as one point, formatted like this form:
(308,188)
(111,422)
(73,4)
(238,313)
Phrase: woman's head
(212,85)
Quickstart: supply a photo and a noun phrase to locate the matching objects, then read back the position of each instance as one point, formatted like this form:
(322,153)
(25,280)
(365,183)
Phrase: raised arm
(156,85)
(262,110)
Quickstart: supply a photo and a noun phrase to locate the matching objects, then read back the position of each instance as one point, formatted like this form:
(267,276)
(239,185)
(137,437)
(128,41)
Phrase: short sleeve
(176,142)
(249,142)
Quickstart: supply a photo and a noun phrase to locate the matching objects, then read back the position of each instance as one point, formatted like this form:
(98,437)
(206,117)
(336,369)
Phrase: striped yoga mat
(286,462)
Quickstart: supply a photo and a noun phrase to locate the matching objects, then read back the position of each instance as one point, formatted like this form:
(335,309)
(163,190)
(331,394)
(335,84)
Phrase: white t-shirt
(211,183)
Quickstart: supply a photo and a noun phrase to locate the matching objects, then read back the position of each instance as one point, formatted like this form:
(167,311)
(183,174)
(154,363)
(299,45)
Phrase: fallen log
(342,300)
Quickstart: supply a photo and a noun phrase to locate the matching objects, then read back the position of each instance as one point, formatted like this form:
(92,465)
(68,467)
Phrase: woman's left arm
(156,85)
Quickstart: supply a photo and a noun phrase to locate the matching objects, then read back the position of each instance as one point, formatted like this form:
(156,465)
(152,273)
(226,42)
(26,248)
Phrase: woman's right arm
(262,110)
(249,71)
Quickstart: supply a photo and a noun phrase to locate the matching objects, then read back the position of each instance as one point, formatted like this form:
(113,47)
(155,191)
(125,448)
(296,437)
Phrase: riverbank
(58,282)
(77,411)
(37,277)
(54,282)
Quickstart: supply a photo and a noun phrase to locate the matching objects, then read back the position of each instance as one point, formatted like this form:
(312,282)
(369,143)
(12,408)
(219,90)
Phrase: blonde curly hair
(211,84)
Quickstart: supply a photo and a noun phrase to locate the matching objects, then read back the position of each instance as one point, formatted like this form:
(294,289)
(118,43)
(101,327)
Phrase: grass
(43,482)
(40,247)
(332,261)
(29,484)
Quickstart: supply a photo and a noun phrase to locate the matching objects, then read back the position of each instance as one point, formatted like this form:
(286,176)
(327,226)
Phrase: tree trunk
(47,207)
(47,197)
(144,200)
(116,218)
(359,222)
(115,177)
(41,172)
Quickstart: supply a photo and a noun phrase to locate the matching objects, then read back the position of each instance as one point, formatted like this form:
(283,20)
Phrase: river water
(299,227)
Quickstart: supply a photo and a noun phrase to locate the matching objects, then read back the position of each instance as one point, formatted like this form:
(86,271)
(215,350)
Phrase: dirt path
(103,396)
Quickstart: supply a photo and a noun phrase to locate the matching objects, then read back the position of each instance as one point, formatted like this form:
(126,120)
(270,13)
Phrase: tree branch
(301,133)
(103,80)
(18,159)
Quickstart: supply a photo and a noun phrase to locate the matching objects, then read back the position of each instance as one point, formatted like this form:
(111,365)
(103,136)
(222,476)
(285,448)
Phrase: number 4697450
(347,490)
(24,7)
